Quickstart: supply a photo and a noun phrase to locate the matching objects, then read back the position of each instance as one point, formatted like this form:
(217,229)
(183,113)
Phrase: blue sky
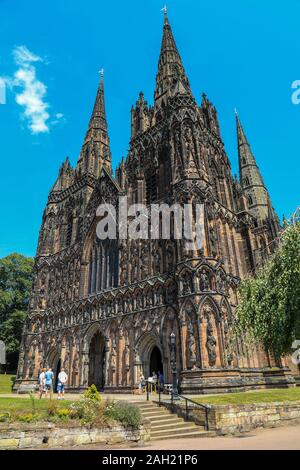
(241,53)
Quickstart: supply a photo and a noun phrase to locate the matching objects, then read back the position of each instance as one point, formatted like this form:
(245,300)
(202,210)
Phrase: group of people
(156,381)
(46,382)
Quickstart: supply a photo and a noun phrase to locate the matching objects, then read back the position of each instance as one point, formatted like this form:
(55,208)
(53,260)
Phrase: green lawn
(6,383)
(264,396)
(24,404)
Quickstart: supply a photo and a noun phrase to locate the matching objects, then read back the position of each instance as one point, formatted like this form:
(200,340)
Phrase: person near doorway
(154,381)
(62,380)
(142,383)
(42,385)
(49,381)
(161,381)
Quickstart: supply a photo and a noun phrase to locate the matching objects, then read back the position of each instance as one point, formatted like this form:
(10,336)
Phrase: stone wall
(44,435)
(230,419)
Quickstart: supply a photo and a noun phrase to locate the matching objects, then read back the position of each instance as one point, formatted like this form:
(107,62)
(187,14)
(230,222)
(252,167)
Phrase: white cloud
(33,91)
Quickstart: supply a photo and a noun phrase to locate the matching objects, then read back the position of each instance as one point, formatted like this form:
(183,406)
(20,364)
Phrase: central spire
(95,153)
(171,74)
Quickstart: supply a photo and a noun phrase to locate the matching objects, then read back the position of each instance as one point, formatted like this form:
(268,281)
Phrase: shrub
(92,393)
(63,413)
(52,409)
(5,417)
(125,413)
(86,410)
(26,418)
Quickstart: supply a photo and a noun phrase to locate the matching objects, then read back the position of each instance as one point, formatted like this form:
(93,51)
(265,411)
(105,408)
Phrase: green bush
(27,418)
(52,408)
(86,410)
(63,413)
(92,393)
(5,417)
(125,413)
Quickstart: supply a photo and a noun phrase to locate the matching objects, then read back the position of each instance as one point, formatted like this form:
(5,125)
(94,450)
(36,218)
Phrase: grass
(243,398)
(6,381)
(24,404)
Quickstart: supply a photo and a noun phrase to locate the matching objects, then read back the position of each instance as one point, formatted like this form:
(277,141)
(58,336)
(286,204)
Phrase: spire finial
(235,110)
(101,73)
(165,10)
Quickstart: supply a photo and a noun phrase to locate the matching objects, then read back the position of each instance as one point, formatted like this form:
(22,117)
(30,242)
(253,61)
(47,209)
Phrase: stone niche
(44,435)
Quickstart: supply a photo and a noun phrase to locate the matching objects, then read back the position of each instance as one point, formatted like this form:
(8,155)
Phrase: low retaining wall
(231,419)
(44,435)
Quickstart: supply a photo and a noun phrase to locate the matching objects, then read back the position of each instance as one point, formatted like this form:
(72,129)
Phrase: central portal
(156,364)
(96,361)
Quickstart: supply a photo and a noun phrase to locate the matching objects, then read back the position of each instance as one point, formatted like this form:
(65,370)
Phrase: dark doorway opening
(55,375)
(96,361)
(156,364)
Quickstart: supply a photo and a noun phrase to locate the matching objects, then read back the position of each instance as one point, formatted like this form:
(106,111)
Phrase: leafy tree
(269,307)
(15,285)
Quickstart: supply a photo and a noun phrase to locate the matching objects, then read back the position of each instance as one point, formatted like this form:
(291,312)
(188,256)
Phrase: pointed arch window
(246,181)
(69,230)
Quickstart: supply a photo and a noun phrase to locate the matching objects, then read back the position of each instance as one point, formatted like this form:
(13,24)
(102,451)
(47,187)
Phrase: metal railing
(176,401)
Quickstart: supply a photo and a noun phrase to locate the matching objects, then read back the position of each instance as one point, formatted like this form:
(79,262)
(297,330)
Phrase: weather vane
(165,10)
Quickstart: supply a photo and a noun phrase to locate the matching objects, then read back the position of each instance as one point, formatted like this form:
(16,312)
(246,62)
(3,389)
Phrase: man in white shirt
(62,380)
(42,379)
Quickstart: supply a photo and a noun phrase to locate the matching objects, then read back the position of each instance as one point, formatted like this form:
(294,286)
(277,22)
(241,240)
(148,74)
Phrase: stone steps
(165,425)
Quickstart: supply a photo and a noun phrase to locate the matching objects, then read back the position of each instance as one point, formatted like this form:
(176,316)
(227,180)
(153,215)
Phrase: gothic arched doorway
(156,364)
(55,373)
(96,361)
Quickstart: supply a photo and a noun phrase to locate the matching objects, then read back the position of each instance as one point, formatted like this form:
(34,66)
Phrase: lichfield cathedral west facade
(104,309)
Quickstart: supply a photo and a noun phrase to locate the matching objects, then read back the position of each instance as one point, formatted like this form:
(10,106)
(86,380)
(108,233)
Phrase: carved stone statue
(211,344)
(204,281)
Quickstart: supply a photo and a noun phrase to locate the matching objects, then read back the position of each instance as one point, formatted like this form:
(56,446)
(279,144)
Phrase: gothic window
(103,266)
(250,200)
(69,230)
(151,188)
(246,181)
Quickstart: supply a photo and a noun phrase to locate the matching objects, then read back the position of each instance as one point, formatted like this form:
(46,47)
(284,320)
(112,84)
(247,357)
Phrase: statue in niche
(221,282)
(156,261)
(31,365)
(178,144)
(191,344)
(204,281)
(211,344)
(186,284)
(113,357)
(213,239)
(126,355)
(189,144)
(76,363)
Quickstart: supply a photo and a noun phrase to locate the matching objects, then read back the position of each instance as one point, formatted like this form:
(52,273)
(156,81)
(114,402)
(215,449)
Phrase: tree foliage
(15,285)
(269,306)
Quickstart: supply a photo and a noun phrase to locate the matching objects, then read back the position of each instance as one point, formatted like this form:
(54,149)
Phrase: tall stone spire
(95,153)
(250,177)
(171,76)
